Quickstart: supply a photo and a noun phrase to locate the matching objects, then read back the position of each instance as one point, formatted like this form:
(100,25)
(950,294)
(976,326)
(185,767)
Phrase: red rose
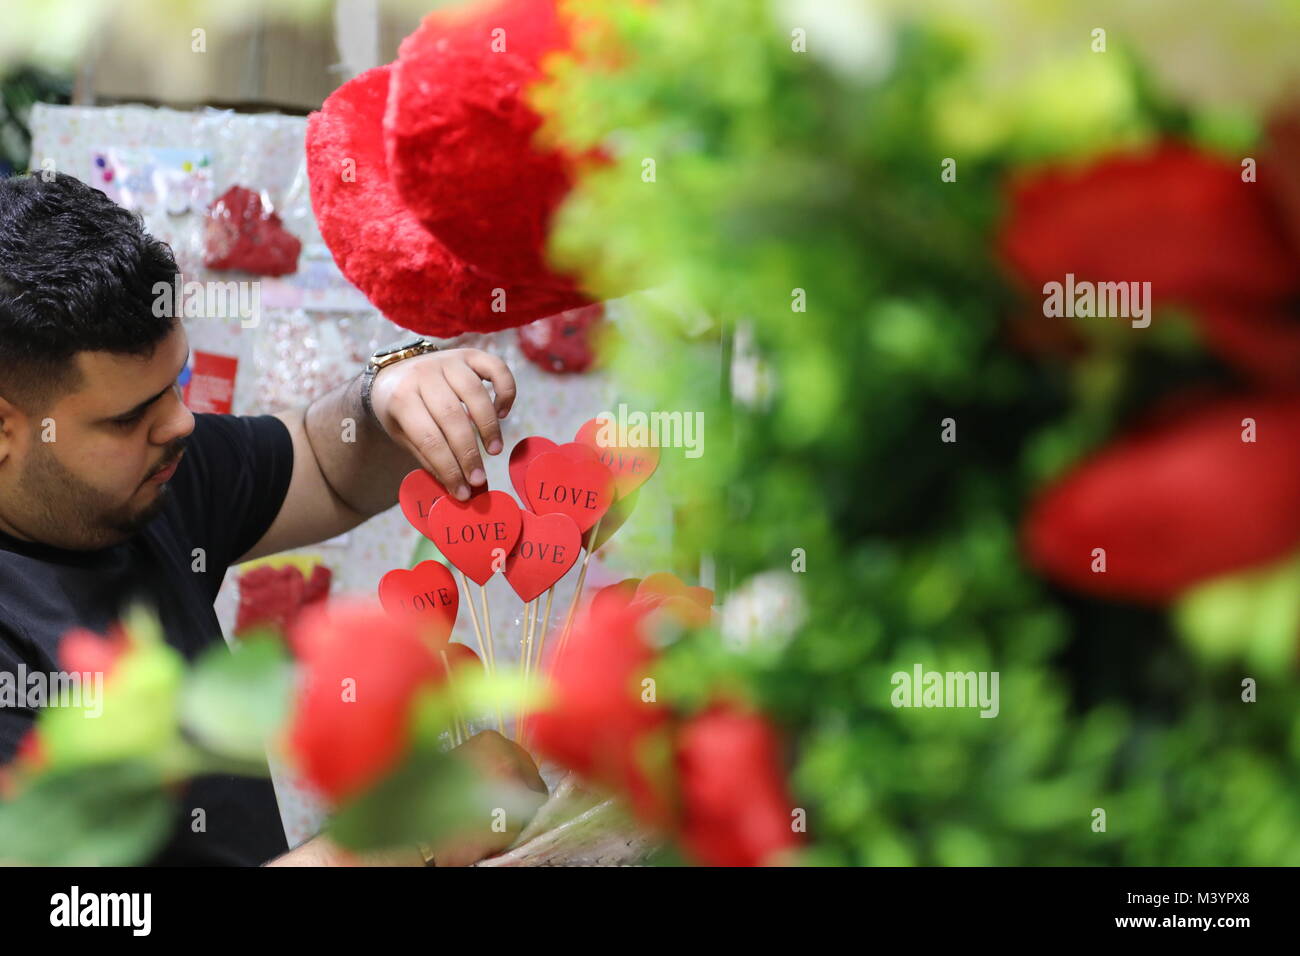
(597,721)
(735,809)
(274,597)
(1177,218)
(1176,502)
(362,669)
(1180,219)
(83,651)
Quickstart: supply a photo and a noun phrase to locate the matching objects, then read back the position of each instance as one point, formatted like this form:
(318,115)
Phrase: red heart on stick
(427,592)
(614,519)
(420,491)
(548,547)
(577,451)
(581,489)
(631,465)
(473,534)
(521,456)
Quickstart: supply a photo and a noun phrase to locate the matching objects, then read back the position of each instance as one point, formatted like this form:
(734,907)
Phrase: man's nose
(178,422)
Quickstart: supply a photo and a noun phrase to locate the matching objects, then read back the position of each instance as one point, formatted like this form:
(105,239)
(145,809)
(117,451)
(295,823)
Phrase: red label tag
(211,387)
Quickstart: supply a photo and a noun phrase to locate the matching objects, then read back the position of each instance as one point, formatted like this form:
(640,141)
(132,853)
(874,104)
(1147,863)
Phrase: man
(109,486)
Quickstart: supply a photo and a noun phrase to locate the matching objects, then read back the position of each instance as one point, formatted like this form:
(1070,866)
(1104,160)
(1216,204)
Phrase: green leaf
(432,797)
(235,699)
(115,814)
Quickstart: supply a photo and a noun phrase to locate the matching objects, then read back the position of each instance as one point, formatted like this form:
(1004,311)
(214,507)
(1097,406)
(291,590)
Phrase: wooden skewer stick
(525,645)
(487,629)
(536,663)
(577,592)
(478,633)
(455,715)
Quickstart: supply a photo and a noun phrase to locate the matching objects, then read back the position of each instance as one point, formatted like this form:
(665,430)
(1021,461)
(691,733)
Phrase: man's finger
(496,371)
(469,388)
(446,409)
(426,441)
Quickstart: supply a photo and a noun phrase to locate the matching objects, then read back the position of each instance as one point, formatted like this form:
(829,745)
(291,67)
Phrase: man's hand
(492,755)
(432,405)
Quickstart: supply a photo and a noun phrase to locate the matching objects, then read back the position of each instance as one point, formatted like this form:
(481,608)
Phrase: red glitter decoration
(245,233)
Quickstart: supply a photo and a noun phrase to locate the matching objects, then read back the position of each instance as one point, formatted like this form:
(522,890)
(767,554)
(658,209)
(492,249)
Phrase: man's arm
(347,466)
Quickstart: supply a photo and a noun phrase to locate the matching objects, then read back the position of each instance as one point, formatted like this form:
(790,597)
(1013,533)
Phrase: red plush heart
(460,133)
(427,592)
(548,547)
(614,519)
(581,489)
(420,491)
(632,466)
(521,456)
(474,534)
(384,250)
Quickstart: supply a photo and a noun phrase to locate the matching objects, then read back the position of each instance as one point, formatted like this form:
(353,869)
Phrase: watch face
(398,348)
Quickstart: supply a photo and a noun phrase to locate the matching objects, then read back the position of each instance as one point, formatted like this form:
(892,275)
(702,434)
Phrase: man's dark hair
(77,273)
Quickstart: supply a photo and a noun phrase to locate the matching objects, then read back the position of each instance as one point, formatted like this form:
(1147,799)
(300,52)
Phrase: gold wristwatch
(386,357)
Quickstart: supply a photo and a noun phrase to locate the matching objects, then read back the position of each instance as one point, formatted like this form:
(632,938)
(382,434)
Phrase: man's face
(116,440)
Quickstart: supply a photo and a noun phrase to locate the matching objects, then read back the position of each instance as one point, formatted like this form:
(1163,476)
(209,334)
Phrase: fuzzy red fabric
(383,247)
(459,134)
(1175,502)
(244,233)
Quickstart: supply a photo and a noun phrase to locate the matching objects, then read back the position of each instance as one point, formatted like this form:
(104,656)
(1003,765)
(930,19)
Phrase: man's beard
(71,514)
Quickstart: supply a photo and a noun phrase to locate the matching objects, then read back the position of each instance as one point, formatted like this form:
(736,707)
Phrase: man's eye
(125,423)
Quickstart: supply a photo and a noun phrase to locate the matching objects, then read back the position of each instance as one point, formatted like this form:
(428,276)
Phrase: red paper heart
(577,451)
(473,534)
(548,547)
(420,491)
(631,466)
(581,489)
(427,592)
(614,519)
(521,456)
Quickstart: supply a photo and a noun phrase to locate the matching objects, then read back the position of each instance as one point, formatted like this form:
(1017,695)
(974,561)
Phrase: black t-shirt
(224,495)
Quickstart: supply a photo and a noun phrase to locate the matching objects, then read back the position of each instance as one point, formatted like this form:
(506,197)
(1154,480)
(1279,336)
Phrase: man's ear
(13,423)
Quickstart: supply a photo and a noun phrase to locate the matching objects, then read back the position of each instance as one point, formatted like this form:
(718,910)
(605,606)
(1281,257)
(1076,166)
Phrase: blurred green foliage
(774,173)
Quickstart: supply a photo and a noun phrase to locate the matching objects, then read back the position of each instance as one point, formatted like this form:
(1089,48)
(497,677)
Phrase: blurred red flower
(735,808)
(1175,502)
(275,596)
(598,722)
(362,669)
(1186,222)
(84,651)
